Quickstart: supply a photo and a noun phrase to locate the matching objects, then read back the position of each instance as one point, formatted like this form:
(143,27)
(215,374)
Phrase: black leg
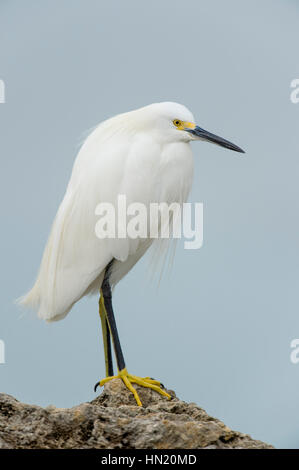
(109,351)
(107,295)
(109,320)
(106,337)
(109,328)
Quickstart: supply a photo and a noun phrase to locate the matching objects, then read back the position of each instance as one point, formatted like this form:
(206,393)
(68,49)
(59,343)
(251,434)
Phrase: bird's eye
(177,123)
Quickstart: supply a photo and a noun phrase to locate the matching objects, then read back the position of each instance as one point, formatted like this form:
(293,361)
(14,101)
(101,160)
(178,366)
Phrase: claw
(128,379)
(154,381)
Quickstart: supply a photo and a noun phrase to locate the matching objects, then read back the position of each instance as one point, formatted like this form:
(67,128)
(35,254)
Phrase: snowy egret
(144,154)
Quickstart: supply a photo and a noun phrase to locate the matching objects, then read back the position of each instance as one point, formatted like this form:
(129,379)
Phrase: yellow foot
(128,379)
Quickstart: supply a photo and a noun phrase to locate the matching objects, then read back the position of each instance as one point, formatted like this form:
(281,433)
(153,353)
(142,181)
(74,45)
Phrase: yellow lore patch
(182,125)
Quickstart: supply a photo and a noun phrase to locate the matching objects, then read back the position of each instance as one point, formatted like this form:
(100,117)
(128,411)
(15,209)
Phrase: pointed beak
(201,134)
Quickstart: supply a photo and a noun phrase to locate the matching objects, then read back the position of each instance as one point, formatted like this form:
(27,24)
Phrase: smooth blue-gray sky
(218,328)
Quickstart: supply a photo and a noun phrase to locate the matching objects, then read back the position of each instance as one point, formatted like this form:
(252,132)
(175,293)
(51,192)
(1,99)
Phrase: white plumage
(140,154)
(145,157)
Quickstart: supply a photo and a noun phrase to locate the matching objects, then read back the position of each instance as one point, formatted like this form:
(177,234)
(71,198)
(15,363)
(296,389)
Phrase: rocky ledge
(113,420)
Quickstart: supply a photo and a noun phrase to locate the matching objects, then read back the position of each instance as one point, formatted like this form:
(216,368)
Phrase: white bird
(145,155)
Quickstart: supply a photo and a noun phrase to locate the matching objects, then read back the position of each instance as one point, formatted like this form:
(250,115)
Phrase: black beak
(201,134)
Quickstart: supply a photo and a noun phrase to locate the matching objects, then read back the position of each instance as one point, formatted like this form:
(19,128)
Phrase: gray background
(218,328)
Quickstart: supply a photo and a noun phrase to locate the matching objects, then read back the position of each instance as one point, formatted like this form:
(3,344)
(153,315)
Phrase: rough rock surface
(113,420)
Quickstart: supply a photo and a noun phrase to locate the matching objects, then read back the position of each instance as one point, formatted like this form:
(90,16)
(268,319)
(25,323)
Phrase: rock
(113,420)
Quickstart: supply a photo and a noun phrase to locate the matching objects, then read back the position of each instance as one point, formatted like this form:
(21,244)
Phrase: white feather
(137,154)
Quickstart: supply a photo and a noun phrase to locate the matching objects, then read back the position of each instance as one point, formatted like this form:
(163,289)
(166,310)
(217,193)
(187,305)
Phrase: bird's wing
(74,258)
(111,162)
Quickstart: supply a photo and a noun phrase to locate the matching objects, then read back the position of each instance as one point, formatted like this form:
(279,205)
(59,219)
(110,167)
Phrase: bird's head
(173,122)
